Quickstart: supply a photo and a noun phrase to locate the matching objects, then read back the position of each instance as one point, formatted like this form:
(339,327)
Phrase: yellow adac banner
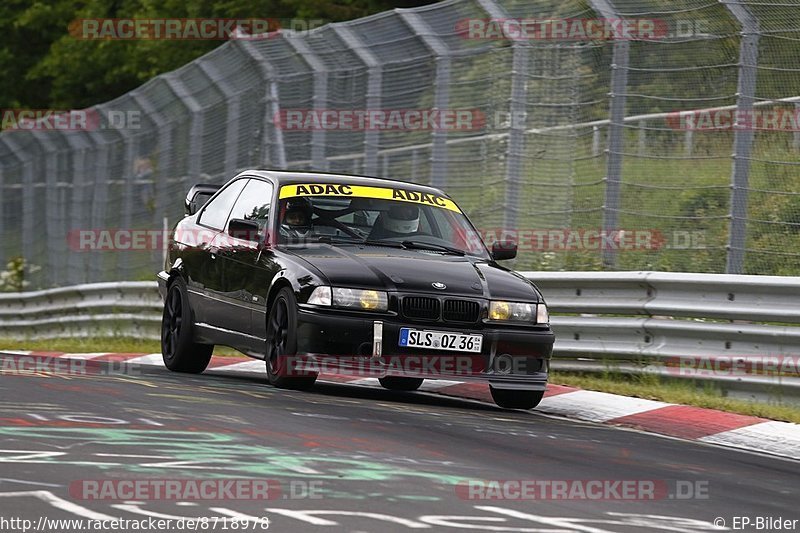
(361,191)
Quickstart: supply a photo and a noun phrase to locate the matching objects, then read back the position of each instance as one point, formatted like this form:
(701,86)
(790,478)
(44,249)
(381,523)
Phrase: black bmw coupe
(323,273)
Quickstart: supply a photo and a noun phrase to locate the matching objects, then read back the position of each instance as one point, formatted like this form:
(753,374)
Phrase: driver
(297,218)
(399,221)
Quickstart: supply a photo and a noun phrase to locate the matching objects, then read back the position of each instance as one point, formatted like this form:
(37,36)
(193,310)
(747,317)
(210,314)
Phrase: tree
(45,67)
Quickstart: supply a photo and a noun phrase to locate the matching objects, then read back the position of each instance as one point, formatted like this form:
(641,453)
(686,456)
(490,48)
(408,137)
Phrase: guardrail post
(271,108)
(374,84)
(320,95)
(616,130)
(743,136)
(441,96)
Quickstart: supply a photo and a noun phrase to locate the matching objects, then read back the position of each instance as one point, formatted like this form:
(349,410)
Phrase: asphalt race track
(348,458)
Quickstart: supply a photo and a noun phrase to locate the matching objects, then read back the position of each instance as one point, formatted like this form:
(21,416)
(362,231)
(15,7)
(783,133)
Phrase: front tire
(516,399)
(401,384)
(178,349)
(282,343)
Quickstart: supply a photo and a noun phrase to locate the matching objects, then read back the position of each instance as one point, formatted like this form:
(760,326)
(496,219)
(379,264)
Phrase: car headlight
(363,299)
(518,312)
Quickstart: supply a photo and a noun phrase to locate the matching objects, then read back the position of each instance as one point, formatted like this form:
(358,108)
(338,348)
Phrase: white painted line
(247,366)
(15,352)
(153,359)
(596,406)
(780,438)
(85,356)
(436,384)
(365,382)
(58,503)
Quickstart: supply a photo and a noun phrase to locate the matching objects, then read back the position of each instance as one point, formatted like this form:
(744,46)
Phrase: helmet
(402,219)
(298,214)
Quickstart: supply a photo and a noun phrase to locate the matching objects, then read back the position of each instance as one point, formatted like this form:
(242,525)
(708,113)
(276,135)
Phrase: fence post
(162,171)
(194,160)
(616,130)
(796,140)
(233,100)
(642,138)
(53,267)
(743,136)
(441,96)
(320,95)
(130,142)
(97,217)
(272,107)
(27,195)
(2,215)
(77,271)
(519,119)
(374,84)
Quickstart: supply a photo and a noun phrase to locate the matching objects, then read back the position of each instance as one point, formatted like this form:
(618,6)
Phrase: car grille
(421,307)
(461,310)
(429,308)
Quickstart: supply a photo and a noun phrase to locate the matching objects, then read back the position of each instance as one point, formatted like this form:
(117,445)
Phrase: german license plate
(440,340)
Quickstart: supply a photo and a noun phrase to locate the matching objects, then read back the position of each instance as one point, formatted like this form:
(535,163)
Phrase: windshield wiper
(390,244)
(338,239)
(431,246)
(346,239)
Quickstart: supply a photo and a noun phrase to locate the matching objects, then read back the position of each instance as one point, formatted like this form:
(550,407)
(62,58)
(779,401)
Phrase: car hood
(415,271)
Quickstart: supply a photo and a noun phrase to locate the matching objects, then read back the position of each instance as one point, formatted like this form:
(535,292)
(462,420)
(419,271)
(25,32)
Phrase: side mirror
(243,229)
(504,250)
(197,197)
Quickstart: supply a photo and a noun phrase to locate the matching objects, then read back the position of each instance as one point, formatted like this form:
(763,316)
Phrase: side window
(215,213)
(254,203)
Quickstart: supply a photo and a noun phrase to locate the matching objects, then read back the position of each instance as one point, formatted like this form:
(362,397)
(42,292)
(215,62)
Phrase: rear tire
(401,384)
(516,399)
(178,349)
(282,343)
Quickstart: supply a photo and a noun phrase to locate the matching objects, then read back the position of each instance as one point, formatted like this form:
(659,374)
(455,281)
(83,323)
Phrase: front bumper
(365,345)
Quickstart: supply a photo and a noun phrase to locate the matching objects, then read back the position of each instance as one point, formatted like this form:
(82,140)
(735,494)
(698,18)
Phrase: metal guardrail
(129,308)
(739,332)
(604,321)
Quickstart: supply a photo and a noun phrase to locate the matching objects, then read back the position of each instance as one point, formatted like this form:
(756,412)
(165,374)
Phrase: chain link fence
(673,146)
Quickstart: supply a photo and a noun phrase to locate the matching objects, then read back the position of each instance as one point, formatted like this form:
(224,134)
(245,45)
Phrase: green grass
(646,386)
(651,387)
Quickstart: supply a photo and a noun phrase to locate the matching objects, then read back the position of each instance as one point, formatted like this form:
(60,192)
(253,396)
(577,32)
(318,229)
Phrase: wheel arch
(277,284)
(174,272)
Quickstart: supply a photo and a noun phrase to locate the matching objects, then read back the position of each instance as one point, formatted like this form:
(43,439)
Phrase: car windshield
(413,220)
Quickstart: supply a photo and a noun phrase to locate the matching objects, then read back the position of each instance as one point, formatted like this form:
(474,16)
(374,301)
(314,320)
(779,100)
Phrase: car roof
(286,177)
